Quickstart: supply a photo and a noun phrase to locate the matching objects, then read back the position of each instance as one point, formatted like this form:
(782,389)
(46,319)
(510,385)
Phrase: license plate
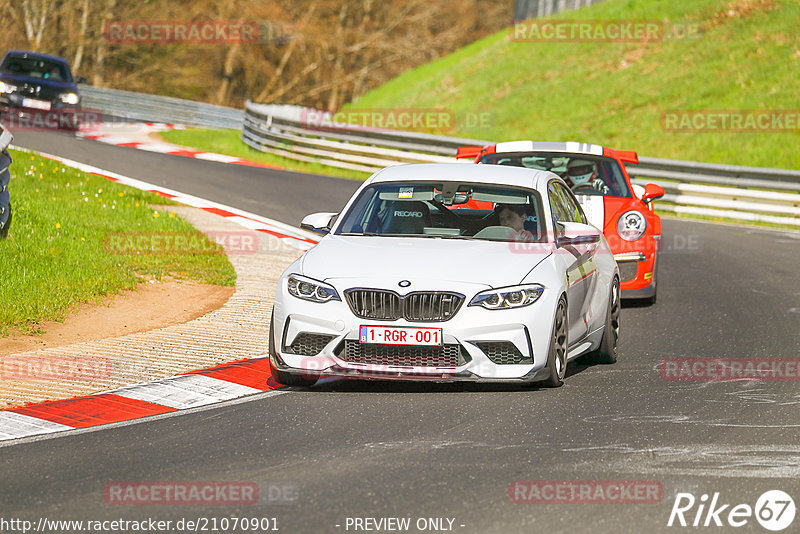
(35,104)
(401,335)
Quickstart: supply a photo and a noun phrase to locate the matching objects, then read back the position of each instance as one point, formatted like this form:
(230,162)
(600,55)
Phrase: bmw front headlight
(508,297)
(306,288)
(631,225)
(7,87)
(69,98)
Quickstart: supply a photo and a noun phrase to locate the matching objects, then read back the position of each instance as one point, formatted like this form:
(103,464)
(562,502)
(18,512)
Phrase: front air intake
(422,306)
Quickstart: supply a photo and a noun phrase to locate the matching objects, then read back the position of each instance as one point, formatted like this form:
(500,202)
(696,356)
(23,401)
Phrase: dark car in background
(33,81)
(5,177)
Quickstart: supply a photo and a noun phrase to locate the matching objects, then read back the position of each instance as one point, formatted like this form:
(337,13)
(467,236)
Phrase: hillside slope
(746,57)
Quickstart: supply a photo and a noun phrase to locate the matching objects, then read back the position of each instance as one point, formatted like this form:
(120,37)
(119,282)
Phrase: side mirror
(81,79)
(652,192)
(571,234)
(318,222)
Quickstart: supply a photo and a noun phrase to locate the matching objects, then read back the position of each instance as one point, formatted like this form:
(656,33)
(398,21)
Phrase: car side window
(574,211)
(557,204)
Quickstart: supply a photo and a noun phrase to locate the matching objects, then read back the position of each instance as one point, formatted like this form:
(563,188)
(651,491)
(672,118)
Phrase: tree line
(319,53)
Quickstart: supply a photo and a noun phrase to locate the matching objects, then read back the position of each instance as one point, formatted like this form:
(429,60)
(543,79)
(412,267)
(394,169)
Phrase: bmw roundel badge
(404,283)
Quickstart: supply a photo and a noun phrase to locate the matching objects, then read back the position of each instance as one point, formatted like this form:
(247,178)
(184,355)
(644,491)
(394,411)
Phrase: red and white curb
(291,236)
(196,389)
(137,138)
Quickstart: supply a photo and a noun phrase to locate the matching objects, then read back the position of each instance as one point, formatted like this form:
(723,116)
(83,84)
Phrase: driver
(513,216)
(582,173)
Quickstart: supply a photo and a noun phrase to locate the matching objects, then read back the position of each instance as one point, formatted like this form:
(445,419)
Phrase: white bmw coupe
(448,272)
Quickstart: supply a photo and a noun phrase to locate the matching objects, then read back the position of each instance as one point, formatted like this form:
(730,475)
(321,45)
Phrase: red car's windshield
(585,174)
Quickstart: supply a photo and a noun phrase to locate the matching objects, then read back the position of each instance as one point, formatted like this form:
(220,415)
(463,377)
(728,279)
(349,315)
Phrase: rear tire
(282,377)
(606,353)
(557,356)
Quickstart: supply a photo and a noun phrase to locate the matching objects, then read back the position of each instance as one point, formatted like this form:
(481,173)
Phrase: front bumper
(492,345)
(637,262)
(410,375)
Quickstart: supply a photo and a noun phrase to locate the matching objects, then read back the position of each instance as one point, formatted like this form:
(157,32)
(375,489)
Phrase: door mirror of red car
(652,192)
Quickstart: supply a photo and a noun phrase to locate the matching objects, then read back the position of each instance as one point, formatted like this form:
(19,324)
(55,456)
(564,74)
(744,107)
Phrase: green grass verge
(56,254)
(614,94)
(229,142)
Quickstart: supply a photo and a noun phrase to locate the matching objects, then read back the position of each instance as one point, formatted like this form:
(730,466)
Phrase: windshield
(446,211)
(36,68)
(585,174)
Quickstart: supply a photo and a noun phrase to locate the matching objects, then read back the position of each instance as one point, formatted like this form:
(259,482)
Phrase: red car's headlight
(631,225)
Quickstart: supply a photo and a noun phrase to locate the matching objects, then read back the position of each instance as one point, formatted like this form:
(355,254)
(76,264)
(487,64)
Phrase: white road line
(297,238)
(161,148)
(211,156)
(115,140)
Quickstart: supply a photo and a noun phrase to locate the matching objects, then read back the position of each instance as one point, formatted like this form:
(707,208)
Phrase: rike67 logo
(774,510)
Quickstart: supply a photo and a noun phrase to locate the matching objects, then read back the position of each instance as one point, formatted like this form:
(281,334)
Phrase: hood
(490,263)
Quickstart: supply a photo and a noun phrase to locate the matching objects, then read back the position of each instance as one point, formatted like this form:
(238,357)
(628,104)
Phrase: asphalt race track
(282,195)
(377,450)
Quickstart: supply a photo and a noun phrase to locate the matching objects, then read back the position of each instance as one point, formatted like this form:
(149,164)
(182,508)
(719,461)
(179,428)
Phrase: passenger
(582,174)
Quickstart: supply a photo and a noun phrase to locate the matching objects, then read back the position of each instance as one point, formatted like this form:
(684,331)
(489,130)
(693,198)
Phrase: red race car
(597,176)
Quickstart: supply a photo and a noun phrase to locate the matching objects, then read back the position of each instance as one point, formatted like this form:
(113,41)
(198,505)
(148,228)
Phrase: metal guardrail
(747,193)
(693,171)
(143,107)
(528,9)
(311,133)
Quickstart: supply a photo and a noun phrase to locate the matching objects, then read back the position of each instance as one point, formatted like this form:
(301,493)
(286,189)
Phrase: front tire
(557,356)
(282,377)
(606,353)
